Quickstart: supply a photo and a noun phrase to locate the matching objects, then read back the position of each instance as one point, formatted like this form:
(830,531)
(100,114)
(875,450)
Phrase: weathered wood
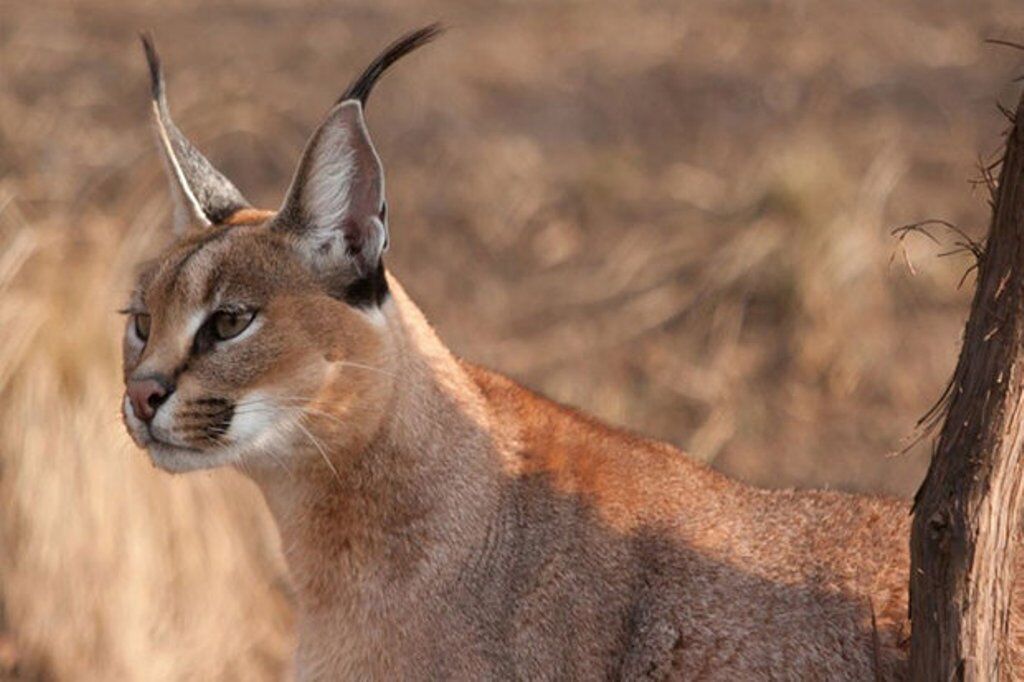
(968,508)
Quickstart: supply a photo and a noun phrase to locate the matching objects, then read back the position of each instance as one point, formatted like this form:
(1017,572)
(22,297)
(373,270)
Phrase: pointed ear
(202,196)
(335,207)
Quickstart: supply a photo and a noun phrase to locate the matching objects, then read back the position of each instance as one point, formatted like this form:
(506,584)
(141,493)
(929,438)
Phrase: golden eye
(228,324)
(141,322)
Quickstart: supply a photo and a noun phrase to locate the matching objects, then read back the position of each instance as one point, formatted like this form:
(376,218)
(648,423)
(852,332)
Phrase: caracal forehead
(240,264)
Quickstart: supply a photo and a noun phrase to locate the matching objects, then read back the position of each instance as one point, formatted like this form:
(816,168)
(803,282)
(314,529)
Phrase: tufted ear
(202,196)
(335,206)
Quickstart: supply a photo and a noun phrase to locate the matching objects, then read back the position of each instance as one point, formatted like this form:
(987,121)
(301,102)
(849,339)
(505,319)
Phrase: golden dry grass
(675,215)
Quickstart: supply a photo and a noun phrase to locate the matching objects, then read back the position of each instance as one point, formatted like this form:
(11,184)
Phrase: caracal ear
(335,209)
(201,195)
(335,205)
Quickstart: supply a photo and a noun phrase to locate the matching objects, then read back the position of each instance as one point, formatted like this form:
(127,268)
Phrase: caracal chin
(439,520)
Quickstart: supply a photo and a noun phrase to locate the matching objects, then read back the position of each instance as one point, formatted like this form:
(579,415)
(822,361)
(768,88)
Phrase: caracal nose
(147,395)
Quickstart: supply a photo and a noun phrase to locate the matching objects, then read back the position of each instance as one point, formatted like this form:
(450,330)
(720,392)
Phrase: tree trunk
(967,511)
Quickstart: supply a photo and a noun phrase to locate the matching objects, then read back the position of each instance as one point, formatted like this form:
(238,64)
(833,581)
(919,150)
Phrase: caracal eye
(141,322)
(228,324)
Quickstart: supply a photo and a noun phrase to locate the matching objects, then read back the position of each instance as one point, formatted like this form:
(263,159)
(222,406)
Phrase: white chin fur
(177,460)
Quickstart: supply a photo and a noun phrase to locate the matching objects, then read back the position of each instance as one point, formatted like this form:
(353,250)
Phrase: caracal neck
(411,501)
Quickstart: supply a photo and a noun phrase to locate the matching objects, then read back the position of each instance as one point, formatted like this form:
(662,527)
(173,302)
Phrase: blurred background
(674,215)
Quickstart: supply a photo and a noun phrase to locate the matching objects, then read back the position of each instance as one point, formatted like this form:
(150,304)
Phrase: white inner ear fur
(340,188)
(326,195)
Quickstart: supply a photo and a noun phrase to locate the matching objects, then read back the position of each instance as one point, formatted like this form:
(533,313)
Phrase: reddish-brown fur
(249,216)
(511,536)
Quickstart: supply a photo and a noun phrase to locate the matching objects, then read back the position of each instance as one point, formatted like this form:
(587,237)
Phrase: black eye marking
(141,322)
(203,341)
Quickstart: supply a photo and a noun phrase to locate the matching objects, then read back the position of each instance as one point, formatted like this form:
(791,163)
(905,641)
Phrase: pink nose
(147,395)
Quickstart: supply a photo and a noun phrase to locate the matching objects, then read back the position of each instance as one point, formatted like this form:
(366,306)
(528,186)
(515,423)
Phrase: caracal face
(234,353)
(258,335)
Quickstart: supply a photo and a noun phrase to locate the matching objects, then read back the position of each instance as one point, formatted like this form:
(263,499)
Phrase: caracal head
(258,336)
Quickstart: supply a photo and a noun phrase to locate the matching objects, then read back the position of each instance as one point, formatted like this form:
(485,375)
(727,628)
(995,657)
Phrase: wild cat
(439,520)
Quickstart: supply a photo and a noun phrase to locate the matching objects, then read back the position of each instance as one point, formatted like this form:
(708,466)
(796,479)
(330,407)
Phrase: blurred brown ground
(674,215)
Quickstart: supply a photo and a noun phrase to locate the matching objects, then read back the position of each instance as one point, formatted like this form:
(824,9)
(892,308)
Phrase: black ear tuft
(361,87)
(335,210)
(156,72)
(202,195)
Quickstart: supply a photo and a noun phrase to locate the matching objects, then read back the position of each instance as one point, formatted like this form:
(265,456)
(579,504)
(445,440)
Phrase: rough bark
(967,511)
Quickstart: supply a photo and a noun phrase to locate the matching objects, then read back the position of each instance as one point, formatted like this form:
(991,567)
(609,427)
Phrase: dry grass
(675,216)
(108,569)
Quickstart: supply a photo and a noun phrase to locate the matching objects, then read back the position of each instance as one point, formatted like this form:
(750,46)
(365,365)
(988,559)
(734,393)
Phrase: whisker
(244,464)
(323,454)
(350,363)
(280,462)
(269,406)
